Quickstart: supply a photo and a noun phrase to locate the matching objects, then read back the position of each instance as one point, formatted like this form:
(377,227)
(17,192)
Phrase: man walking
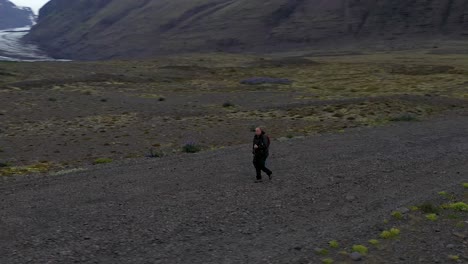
(261,145)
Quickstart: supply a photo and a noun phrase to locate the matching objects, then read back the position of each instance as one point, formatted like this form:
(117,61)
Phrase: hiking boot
(270,176)
(258,181)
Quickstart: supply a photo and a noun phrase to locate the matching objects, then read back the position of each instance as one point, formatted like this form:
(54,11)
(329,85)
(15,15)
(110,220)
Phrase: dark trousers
(259,163)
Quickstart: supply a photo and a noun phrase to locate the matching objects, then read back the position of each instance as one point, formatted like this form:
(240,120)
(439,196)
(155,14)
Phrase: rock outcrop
(12,16)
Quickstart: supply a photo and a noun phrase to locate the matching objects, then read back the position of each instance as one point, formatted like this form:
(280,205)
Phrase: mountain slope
(12,16)
(98,29)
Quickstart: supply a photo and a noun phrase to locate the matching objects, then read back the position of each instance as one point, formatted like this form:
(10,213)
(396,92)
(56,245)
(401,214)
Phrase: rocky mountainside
(102,29)
(12,16)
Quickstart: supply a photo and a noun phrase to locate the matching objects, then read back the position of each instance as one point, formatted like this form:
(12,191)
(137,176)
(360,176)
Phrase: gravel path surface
(205,208)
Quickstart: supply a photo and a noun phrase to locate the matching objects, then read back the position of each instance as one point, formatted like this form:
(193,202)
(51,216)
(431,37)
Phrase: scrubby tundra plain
(384,133)
(61,115)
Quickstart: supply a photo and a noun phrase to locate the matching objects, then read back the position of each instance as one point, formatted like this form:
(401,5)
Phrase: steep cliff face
(99,29)
(12,16)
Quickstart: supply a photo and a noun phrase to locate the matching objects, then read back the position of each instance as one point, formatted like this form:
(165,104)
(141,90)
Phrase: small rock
(350,197)
(450,246)
(321,251)
(298,248)
(355,256)
(460,235)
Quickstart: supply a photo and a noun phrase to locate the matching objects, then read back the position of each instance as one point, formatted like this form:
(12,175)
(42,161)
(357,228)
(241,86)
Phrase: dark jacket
(262,143)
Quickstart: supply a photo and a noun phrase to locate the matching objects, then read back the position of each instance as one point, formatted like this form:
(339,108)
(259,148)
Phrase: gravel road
(205,208)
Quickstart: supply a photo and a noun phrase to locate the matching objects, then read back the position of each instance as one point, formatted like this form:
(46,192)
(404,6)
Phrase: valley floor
(64,115)
(356,137)
(205,208)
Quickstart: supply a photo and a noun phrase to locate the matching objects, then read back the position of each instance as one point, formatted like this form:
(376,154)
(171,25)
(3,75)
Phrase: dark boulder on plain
(266,80)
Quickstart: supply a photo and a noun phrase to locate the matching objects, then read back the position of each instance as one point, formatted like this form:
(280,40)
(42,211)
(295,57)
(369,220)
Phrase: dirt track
(205,208)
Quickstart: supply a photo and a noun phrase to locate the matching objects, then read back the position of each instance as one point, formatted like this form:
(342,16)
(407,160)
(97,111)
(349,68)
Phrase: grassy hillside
(117,28)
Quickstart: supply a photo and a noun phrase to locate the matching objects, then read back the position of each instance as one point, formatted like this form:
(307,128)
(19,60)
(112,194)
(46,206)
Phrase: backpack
(268,141)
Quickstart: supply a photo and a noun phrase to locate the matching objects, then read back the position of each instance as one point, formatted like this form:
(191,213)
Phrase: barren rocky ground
(205,208)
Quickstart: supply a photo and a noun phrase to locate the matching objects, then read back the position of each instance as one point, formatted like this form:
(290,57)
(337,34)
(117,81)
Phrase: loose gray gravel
(205,208)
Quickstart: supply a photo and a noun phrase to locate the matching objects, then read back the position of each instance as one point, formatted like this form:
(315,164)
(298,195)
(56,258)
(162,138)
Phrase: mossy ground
(39,167)
(71,113)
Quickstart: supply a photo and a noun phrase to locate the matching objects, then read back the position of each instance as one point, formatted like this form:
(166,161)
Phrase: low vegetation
(118,111)
(321,251)
(412,226)
(102,161)
(404,118)
(10,170)
(191,147)
(397,215)
(389,234)
(432,217)
(228,104)
(155,154)
(429,208)
(334,244)
(360,249)
(458,206)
